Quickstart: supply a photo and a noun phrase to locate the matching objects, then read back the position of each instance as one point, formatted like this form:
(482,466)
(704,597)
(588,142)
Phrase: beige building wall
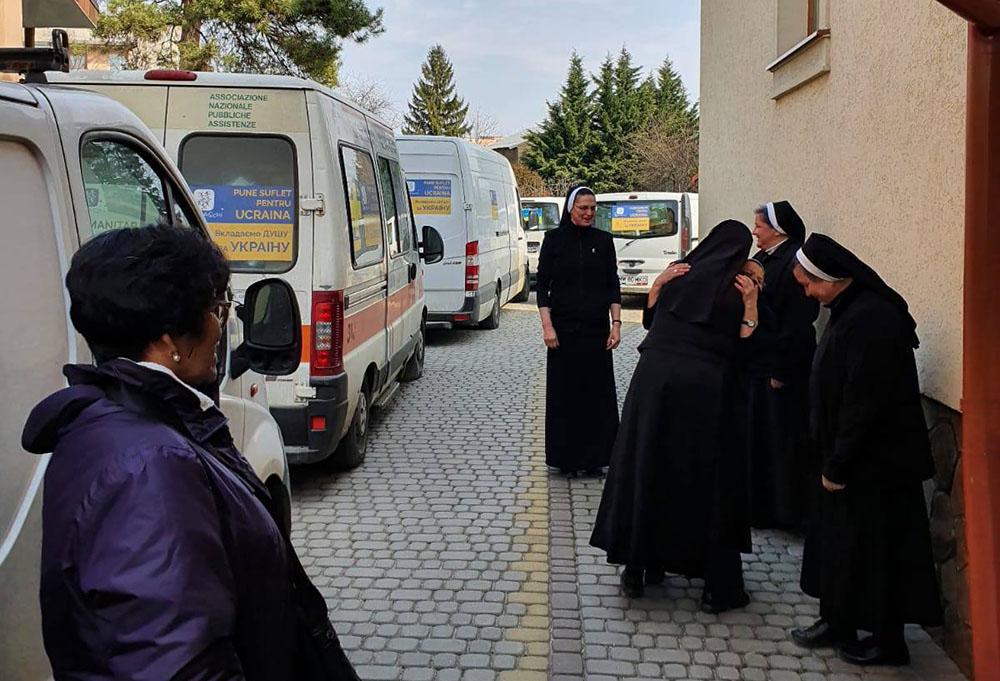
(871,152)
(11,31)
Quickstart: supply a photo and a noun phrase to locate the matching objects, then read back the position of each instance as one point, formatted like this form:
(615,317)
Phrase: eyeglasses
(221,311)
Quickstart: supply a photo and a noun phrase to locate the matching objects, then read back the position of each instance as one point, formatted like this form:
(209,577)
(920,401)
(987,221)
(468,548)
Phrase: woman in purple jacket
(159,559)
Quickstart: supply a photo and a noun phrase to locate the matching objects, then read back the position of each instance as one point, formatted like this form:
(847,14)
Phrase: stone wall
(947,517)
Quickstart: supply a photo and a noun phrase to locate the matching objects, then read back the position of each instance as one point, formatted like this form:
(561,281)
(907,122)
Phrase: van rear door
(438,200)
(246,155)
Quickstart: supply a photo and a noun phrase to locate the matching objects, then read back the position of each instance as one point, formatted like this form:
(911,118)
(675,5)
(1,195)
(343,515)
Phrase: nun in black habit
(780,459)
(675,498)
(868,552)
(579,302)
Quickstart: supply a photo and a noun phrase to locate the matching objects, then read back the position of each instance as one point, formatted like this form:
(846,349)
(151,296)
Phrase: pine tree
(671,97)
(562,149)
(435,109)
(625,105)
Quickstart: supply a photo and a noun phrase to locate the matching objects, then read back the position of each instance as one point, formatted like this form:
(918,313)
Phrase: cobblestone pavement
(453,554)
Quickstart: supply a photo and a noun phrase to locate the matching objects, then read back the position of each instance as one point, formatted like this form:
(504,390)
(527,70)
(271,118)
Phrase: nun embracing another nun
(675,499)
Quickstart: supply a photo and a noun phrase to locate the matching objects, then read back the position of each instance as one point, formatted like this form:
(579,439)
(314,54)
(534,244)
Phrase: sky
(510,56)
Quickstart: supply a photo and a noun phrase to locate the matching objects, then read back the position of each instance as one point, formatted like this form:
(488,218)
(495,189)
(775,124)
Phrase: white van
(74,164)
(469,195)
(539,215)
(295,181)
(651,230)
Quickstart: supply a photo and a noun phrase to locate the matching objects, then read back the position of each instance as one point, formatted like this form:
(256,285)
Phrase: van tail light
(685,240)
(327,356)
(472,266)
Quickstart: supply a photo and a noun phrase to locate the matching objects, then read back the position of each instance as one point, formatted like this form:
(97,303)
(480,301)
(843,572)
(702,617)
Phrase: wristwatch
(749,323)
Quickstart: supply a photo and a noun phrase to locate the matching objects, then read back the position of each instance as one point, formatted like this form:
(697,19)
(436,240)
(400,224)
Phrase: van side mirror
(432,246)
(272,331)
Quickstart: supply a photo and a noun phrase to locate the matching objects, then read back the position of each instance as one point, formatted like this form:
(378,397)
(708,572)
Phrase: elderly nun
(579,302)
(780,459)
(868,555)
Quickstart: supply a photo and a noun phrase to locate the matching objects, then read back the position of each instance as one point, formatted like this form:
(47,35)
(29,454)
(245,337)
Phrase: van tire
(526,289)
(414,368)
(493,321)
(350,453)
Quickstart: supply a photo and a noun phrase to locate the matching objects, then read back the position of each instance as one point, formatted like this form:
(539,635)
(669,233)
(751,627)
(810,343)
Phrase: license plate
(633,279)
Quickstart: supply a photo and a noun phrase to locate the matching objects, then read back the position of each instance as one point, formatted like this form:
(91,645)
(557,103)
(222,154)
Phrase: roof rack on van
(33,62)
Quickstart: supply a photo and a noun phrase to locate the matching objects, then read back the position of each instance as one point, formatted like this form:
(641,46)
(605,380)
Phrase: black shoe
(655,577)
(871,651)
(821,635)
(569,473)
(713,607)
(594,472)
(632,582)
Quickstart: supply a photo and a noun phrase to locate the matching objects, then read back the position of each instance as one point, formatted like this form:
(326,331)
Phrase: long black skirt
(868,558)
(581,404)
(780,459)
(676,489)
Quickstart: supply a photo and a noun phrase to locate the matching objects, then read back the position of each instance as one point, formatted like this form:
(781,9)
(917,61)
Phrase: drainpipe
(981,374)
(981,361)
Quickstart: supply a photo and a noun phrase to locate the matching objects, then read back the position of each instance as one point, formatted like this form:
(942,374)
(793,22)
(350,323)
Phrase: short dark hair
(128,287)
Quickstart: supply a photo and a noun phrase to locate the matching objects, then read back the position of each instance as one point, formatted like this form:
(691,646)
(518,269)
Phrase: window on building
(363,212)
(813,18)
(797,20)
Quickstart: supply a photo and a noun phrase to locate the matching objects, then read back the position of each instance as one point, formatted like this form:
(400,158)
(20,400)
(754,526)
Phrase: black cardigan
(578,278)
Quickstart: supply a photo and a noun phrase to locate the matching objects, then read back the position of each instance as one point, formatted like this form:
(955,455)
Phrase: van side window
(367,247)
(389,207)
(122,188)
(402,208)
(246,187)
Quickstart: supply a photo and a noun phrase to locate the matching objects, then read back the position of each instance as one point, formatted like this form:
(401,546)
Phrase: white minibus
(651,230)
(469,195)
(295,181)
(539,215)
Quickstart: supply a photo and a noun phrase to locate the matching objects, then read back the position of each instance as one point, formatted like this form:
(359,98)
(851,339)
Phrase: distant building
(512,146)
(20,20)
(487,142)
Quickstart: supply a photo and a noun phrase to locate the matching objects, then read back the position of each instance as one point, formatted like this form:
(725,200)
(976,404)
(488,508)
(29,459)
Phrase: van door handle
(413,271)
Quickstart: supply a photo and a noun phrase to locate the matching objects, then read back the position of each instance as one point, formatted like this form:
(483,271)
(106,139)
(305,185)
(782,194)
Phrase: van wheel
(526,289)
(493,321)
(352,449)
(415,366)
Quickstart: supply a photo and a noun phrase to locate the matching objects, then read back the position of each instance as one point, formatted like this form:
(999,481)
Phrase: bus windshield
(539,216)
(637,219)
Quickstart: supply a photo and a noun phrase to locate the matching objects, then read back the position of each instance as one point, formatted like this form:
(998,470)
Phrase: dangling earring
(176,357)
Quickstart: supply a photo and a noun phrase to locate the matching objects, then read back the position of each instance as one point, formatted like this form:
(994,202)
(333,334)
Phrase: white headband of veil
(812,269)
(572,197)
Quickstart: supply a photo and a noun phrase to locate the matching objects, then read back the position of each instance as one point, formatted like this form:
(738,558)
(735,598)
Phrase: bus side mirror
(272,331)
(432,246)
